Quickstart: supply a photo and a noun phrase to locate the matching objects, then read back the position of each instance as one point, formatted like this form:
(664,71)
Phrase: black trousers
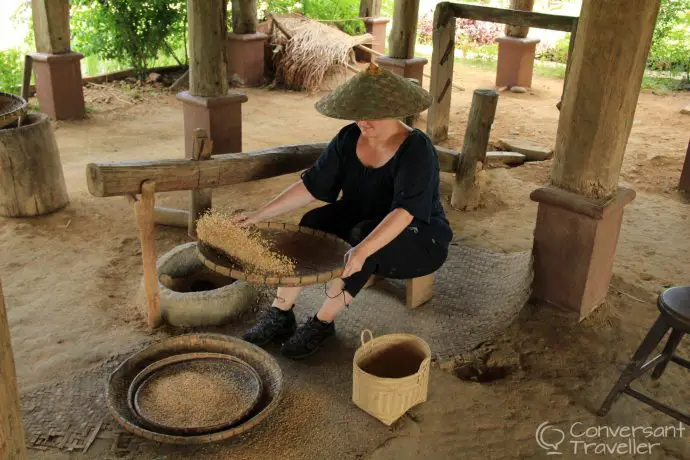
(411,254)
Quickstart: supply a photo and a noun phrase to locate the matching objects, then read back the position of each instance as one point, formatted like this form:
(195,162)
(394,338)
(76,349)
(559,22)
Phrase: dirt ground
(72,282)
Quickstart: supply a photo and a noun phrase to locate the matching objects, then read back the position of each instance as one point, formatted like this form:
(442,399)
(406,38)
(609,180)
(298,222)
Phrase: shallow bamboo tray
(163,365)
(265,365)
(11,108)
(319,256)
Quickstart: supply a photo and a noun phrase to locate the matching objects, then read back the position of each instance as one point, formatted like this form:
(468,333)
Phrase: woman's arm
(386,231)
(293,197)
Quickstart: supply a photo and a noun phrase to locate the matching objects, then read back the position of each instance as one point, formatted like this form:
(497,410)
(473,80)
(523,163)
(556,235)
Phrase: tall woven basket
(386,398)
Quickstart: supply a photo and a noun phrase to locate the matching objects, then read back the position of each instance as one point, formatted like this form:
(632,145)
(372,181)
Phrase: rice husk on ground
(244,244)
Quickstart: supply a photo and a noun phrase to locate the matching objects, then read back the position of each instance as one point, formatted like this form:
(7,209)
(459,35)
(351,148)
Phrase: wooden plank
(125,178)
(144,210)
(403,33)
(200,200)
(419,290)
(511,17)
(12,442)
(482,112)
(208,69)
(51,25)
(593,130)
(441,81)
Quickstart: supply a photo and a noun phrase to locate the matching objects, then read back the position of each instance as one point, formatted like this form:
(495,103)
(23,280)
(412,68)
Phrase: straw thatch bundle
(314,52)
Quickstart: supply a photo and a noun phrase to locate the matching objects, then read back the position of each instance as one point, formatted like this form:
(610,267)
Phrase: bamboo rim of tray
(11,108)
(205,253)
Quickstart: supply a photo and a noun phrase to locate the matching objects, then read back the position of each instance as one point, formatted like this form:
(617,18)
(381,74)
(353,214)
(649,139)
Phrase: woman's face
(376,128)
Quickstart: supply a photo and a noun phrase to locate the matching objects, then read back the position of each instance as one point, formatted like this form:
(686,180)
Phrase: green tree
(671,40)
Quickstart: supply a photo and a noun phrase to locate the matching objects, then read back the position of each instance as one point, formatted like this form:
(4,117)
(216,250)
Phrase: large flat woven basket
(11,108)
(319,256)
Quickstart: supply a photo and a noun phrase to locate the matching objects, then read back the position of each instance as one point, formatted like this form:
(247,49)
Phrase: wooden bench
(418,291)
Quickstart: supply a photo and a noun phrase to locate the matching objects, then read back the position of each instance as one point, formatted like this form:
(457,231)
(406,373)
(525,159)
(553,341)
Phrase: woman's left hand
(354,260)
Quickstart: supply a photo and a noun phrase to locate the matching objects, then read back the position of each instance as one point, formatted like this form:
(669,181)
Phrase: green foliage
(558,52)
(671,40)
(133,31)
(11,63)
(336,9)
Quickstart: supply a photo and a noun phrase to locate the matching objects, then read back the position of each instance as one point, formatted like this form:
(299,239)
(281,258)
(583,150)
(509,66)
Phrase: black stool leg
(631,372)
(669,349)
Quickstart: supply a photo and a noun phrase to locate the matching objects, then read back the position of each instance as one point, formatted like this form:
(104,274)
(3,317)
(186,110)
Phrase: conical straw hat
(374,94)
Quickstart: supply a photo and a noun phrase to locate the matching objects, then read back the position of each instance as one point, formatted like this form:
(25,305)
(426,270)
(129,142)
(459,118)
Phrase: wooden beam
(208,69)
(404,30)
(482,112)
(51,25)
(125,178)
(519,31)
(369,8)
(600,98)
(441,81)
(12,442)
(511,17)
(144,210)
(200,200)
(244,16)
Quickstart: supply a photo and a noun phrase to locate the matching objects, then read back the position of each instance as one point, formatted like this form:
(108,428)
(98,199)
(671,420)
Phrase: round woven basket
(152,369)
(265,365)
(11,108)
(319,256)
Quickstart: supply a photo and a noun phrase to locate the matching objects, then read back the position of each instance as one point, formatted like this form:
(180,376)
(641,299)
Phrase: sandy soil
(71,281)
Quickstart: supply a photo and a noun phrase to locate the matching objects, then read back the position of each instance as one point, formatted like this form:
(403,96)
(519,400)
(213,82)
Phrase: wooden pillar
(369,8)
(208,73)
(12,444)
(58,72)
(580,214)
(684,183)
(600,99)
(244,16)
(442,60)
(473,159)
(144,210)
(245,47)
(404,32)
(518,31)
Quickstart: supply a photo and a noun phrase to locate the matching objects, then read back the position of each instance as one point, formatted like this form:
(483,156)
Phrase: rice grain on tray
(245,244)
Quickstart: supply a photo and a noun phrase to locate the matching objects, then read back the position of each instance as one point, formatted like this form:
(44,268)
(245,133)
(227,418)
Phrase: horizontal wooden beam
(511,17)
(126,177)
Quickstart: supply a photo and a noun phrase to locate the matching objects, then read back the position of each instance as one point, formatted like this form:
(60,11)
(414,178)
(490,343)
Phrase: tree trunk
(12,444)
(473,156)
(208,69)
(244,16)
(369,8)
(404,31)
(51,25)
(31,178)
(599,105)
(518,31)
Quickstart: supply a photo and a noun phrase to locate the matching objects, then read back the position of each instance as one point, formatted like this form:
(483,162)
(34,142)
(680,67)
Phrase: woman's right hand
(244,219)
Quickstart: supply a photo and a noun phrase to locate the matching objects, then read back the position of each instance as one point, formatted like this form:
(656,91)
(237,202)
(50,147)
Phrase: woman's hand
(354,260)
(247,218)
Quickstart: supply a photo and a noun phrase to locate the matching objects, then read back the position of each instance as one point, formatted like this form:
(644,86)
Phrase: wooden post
(571,47)
(369,8)
(244,16)
(208,73)
(684,183)
(482,112)
(144,210)
(404,32)
(12,444)
(200,199)
(51,25)
(599,106)
(442,60)
(519,31)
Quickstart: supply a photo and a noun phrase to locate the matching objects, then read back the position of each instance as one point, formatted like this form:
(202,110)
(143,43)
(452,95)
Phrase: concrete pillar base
(246,58)
(377,28)
(59,85)
(220,116)
(409,68)
(574,247)
(515,61)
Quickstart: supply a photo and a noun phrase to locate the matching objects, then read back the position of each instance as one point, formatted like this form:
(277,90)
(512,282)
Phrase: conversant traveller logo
(604,440)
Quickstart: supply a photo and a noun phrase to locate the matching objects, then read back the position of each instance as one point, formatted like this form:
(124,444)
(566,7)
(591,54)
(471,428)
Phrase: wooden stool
(418,291)
(674,305)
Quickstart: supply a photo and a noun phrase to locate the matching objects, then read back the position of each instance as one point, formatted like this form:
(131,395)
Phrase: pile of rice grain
(244,244)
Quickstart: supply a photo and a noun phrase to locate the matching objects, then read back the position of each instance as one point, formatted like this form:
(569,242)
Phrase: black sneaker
(275,324)
(308,339)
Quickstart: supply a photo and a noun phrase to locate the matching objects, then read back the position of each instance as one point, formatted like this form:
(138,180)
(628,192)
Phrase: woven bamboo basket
(11,108)
(390,375)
